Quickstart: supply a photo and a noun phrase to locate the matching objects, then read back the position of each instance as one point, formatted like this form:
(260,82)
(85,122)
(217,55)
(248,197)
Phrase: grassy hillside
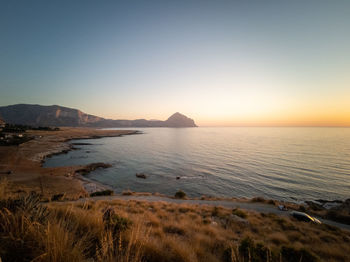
(142,231)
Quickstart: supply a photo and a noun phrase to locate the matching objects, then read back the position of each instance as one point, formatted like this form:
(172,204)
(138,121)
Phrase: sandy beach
(24,162)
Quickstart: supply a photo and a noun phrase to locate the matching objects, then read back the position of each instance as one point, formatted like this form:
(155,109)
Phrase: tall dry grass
(35,231)
(131,231)
(3,187)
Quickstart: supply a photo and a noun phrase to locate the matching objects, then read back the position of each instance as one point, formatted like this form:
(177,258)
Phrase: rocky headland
(38,115)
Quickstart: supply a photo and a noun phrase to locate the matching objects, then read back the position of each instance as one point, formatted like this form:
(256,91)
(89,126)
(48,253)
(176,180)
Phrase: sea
(283,163)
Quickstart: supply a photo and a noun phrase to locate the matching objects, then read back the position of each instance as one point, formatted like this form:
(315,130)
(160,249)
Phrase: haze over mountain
(38,115)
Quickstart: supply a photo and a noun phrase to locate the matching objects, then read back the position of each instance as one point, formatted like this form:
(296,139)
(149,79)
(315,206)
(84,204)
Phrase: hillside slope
(38,115)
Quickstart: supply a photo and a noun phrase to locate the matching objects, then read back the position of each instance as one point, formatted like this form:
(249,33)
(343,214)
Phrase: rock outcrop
(37,115)
(179,120)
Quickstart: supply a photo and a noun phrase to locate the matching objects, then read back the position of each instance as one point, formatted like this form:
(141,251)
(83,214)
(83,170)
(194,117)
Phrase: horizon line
(238,124)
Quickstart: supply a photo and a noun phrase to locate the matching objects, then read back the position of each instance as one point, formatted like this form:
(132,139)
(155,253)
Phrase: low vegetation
(339,213)
(14,135)
(13,139)
(339,216)
(102,193)
(239,212)
(156,231)
(180,194)
(57,197)
(13,128)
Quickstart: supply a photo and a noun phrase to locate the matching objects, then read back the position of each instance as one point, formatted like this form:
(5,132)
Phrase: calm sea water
(279,163)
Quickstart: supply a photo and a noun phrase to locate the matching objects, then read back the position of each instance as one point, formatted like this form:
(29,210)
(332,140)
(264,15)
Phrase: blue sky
(220,62)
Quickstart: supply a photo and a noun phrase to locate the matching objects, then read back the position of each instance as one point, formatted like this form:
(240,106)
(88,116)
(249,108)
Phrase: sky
(222,63)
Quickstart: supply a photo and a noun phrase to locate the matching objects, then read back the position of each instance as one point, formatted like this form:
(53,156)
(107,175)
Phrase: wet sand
(25,162)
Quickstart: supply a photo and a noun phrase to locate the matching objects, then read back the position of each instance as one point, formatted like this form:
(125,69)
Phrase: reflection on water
(279,163)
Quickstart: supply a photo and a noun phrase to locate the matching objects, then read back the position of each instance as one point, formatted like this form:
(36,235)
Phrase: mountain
(38,115)
(179,120)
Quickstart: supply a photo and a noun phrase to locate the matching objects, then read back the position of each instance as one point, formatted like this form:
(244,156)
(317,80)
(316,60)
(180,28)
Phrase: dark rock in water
(94,166)
(141,175)
(177,177)
(87,169)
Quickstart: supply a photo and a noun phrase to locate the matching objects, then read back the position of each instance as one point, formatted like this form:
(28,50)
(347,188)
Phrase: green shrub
(27,204)
(180,194)
(21,220)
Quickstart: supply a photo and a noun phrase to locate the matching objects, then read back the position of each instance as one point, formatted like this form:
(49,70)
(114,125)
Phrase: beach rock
(141,175)
(91,167)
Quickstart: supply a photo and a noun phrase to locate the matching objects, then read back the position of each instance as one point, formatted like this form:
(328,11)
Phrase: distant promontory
(38,115)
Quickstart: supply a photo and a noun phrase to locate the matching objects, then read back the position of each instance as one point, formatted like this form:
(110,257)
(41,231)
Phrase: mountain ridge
(55,115)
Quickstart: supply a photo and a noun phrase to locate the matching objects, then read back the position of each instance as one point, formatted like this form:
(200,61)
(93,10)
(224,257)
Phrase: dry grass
(157,231)
(4,184)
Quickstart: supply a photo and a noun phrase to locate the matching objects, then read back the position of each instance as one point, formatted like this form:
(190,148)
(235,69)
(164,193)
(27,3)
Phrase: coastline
(24,162)
(92,186)
(23,166)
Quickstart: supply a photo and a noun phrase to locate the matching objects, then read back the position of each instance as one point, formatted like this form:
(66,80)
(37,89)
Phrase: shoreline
(92,186)
(89,185)
(23,164)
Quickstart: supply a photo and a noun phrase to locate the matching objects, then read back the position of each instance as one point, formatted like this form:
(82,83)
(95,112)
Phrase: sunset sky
(222,63)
